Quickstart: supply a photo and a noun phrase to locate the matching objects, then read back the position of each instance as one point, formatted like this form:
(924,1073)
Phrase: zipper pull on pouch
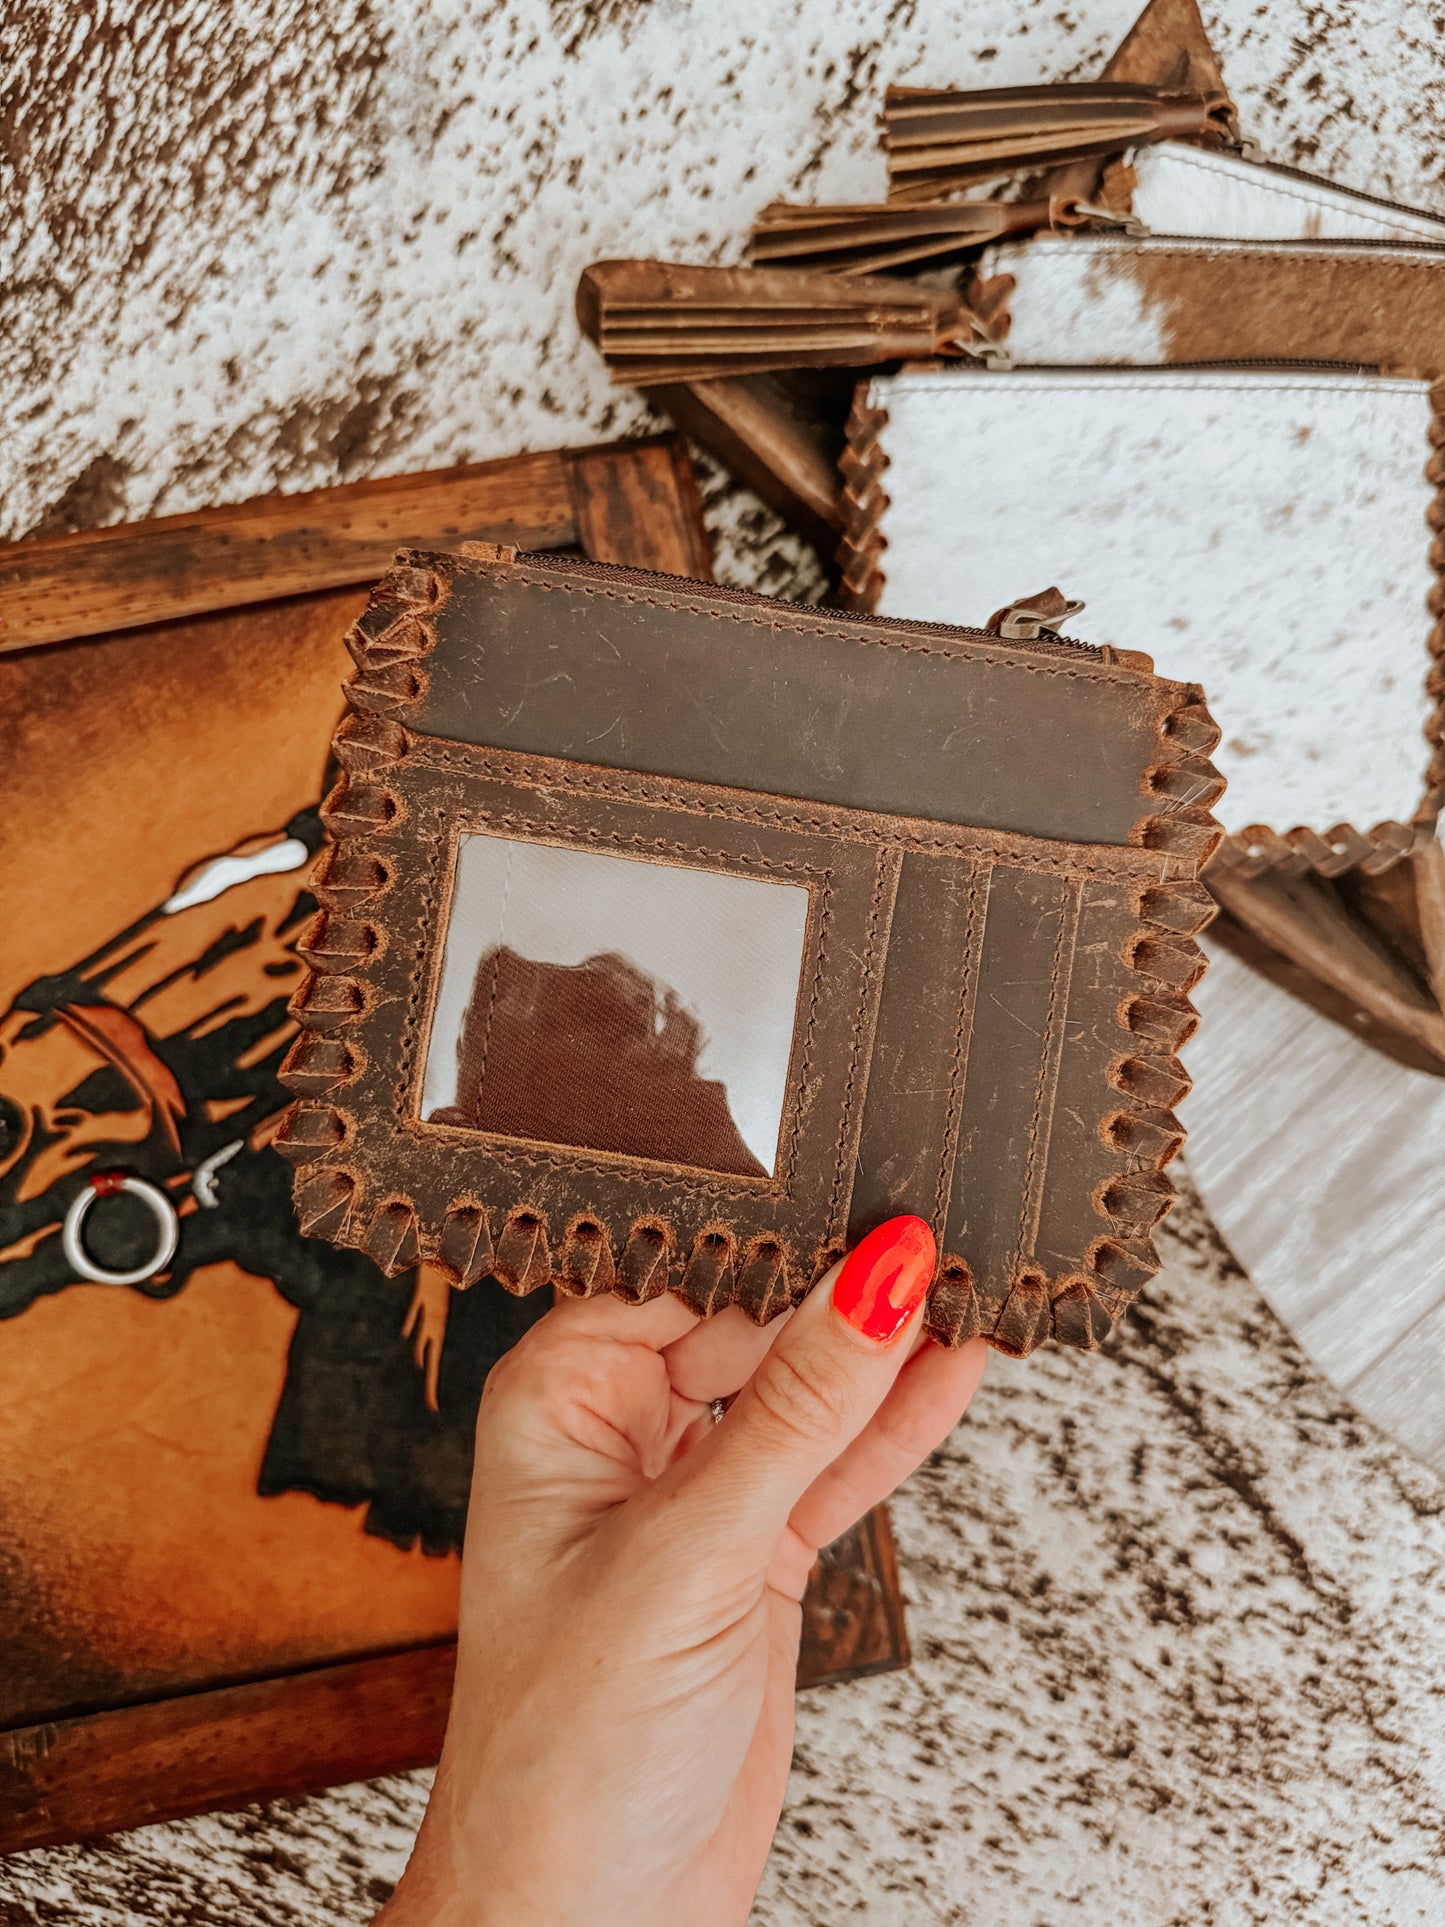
(1034,615)
(938,140)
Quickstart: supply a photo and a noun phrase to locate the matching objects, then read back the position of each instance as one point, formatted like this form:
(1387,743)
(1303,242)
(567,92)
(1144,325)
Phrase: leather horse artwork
(138,1102)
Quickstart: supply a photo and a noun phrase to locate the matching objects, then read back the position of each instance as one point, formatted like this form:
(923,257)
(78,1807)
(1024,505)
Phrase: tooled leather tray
(231,1488)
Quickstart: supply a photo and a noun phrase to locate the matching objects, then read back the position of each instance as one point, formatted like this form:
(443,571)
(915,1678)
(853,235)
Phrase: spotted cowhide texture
(1175,1608)
(302,241)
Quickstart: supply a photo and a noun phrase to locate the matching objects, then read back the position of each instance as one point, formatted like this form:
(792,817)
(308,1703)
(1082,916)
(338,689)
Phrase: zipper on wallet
(1050,643)
(1260,365)
(1282,171)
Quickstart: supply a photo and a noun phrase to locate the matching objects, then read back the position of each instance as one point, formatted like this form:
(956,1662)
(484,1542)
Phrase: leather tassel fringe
(882,238)
(939,139)
(657,322)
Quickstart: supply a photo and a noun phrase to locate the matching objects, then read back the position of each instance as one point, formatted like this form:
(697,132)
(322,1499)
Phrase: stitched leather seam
(974,925)
(1124,863)
(658,1177)
(1046,1083)
(805,1065)
(565,833)
(885,884)
(718,613)
(426,924)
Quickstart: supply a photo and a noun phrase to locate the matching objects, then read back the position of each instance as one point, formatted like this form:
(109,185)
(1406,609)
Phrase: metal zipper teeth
(1259,364)
(1353,193)
(1199,243)
(1262,365)
(1050,645)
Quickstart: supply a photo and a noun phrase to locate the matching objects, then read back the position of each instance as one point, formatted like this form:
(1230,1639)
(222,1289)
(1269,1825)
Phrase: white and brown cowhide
(1175,1608)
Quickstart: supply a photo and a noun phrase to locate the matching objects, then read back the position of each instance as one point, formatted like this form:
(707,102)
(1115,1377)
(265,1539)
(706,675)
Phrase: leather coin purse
(672,937)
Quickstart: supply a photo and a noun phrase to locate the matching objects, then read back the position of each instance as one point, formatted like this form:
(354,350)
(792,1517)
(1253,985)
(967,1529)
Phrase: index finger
(655,1325)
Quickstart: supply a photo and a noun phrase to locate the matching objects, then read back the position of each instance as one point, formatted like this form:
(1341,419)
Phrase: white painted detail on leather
(1263,534)
(203,1178)
(1194,191)
(225,872)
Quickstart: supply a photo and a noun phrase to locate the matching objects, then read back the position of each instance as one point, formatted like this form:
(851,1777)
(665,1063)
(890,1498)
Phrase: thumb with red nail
(621,1729)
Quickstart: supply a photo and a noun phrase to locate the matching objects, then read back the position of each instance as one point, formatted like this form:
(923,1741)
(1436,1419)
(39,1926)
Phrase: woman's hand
(622,1724)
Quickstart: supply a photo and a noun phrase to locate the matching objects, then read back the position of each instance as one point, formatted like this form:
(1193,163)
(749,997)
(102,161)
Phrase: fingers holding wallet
(817,1388)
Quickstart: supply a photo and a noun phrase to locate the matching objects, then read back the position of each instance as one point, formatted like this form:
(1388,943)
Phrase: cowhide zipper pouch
(673,937)
(1274,530)
(1182,189)
(1103,300)
(1238,260)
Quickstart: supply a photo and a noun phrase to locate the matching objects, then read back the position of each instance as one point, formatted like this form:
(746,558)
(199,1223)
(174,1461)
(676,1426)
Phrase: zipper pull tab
(1033,616)
(503,553)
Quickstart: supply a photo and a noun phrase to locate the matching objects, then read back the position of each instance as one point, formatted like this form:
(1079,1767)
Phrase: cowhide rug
(1179,1654)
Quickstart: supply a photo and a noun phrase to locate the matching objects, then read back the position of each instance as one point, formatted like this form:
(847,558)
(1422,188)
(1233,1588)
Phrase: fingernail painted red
(884,1279)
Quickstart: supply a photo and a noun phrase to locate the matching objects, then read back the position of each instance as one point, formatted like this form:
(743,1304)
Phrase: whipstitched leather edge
(1252,851)
(865,501)
(1144,1081)
(389,644)
(1257,848)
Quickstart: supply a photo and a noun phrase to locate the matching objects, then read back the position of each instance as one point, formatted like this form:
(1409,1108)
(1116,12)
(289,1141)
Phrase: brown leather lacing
(865,501)
(1146,1079)
(389,645)
(1154,1021)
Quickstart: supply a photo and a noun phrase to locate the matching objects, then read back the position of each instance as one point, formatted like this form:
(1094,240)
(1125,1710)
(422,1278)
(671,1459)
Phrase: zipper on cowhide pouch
(1285,172)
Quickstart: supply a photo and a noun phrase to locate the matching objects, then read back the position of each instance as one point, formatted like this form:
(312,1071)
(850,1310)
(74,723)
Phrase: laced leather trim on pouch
(640,1256)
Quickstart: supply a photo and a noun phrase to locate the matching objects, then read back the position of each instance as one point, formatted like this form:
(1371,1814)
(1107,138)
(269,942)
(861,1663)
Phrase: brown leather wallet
(672,937)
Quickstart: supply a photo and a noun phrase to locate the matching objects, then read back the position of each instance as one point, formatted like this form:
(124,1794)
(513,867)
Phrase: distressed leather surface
(999,845)
(1182,189)
(1103,300)
(1265,531)
(671,680)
